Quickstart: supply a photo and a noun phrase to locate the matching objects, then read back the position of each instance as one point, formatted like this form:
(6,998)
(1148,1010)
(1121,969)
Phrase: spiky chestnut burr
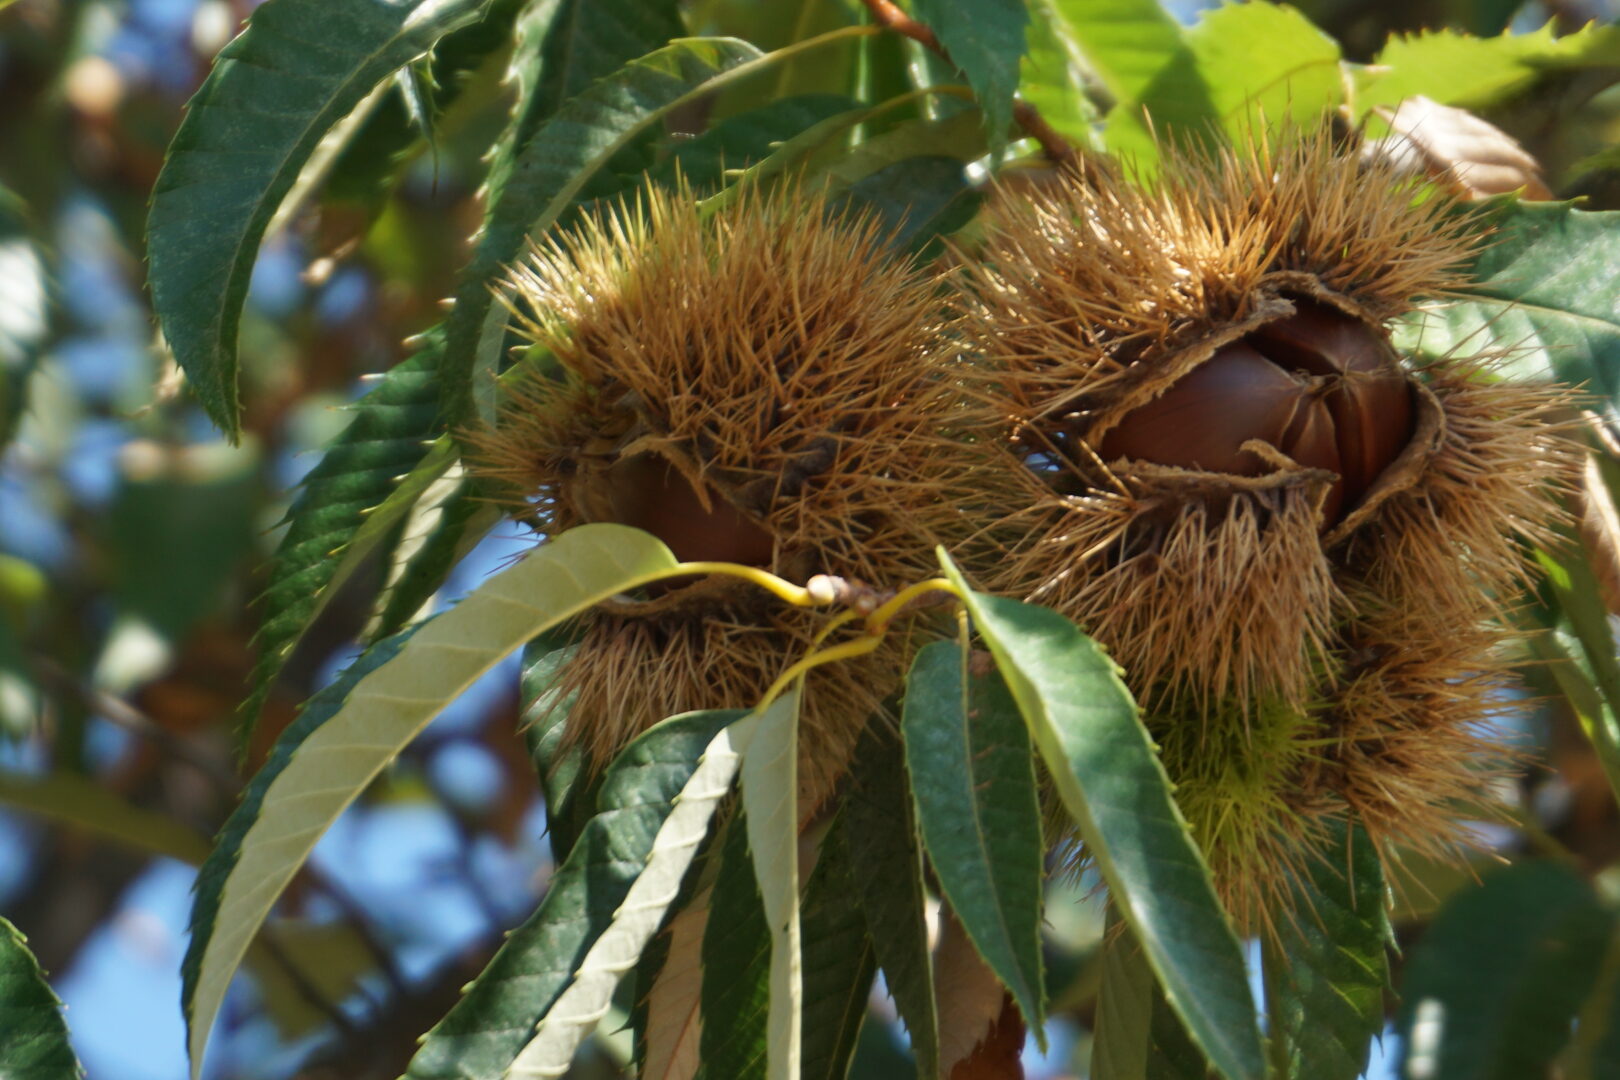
(1298,543)
(761,385)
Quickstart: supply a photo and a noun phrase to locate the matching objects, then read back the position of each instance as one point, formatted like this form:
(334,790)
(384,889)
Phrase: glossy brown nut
(1313,441)
(649,493)
(1203,420)
(1319,340)
(1375,418)
(1370,400)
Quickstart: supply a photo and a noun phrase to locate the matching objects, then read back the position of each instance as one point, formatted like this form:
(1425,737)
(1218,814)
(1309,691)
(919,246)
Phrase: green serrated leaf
(1259,66)
(481,1037)
(349,732)
(33,1038)
(1539,289)
(1491,989)
(1456,68)
(1052,76)
(839,960)
(1104,767)
(1134,47)
(298,68)
(388,438)
(923,199)
(736,967)
(371,161)
(590,40)
(569,787)
(883,832)
(985,38)
(973,780)
(589,994)
(770,799)
(1328,968)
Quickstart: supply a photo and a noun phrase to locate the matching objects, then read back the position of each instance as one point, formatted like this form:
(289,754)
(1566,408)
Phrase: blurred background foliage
(133,540)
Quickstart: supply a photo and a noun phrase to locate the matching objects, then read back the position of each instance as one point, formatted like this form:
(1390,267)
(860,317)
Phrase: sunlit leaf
(575,1012)
(33,1039)
(985,38)
(1053,78)
(1104,768)
(1328,968)
(1538,289)
(1490,990)
(1259,65)
(298,68)
(350,731)
(770,799)
(973,779)
(1456,68)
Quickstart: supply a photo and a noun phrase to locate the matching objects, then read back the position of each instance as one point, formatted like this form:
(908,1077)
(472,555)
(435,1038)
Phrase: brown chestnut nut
(1371,402)
(1321,386)
(1203,420)
(649,493)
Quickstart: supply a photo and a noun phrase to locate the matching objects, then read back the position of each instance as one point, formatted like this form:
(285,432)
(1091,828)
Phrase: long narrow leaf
(588,996)
(770,797)
(1110,780)
(973,779)
(839,961)
(1137,1036)
(1540,290)
(82,803)
(387,439)
(33,1038)
(481,1036)
(883,832)
(298,68)
(736,967)
(350,732)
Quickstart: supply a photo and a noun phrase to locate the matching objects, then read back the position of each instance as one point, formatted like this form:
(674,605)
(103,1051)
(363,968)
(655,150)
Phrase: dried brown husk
(782,361)
(1236,602)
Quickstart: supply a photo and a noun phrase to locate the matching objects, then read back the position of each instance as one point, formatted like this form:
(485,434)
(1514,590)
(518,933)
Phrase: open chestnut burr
(1319,386)
(1298,544)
